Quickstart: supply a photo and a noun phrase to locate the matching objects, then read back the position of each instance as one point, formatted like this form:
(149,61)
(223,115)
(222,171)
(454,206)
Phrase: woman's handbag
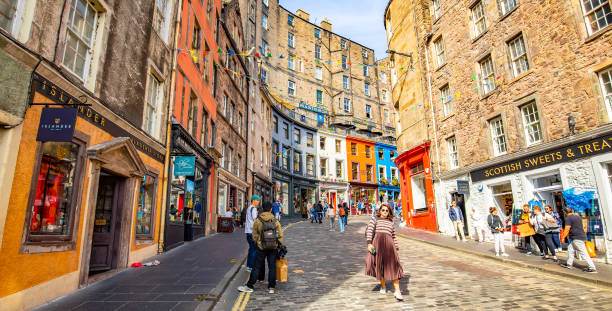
(549,225)
(525,230)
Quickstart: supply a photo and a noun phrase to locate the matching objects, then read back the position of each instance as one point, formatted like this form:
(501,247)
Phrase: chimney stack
(301,13)
(325,24)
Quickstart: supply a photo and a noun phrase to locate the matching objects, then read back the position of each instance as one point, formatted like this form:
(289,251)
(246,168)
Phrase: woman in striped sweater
(382,260)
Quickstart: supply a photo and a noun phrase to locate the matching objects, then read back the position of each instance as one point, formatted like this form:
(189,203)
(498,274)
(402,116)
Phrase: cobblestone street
(436,279)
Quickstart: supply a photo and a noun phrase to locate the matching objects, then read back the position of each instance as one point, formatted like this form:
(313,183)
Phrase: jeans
(550,245)
(556,240)
(341,223)
(540,242)
(499,242)
(345,219)
(260,258)
(458,224)
(331,222)
(252,250)
(320,216)
(581,248)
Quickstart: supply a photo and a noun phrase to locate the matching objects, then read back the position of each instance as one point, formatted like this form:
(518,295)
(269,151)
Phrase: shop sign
(320,110)
(320,118)
(56,124)
(184,166)
(564,154)
(463,187)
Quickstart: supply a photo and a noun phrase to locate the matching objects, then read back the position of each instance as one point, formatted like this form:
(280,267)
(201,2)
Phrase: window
(365,70)
(386,115)
(531,122)
(238,165)
(285,156)
(264,76)
(436,9)
(452,152)
(369,168)
(204,131)
(291,88)
(392,154)
(291,62)
(345,83)
(506,5)
(145,208)
(265,2)
(366,89)
(597,14)
(286,130)
(353,149)
(317,33)
(53,196)
(319,97)
(230,158)
(264,21)
(240,123)
(364,53)
(487,75)
(355,170)
(368,153)
(309,140)
(384,95)
(518,55)
(338,146)
(343,44)
(338,169)
(275,154)
(318,73)
(275,124)
(368,111)
(440,54)
(207,64)
(80,34)
(252,120)
(317,51)
(196,39)
(394,173)
(605,78)
(323,167)
(290,38)
(322,142)
(382,172)
(499,137)
(224,111)
(310,164)
(478,19)
(213,133)
(344,62)
(223,159)
(155,100)
(383,77)
(381,154)
(347,105)
(8,12)
(193,114)
(160,22)
(297,136)
(261,150)
(264,47)
(297,161)
(290,20)
(231,114)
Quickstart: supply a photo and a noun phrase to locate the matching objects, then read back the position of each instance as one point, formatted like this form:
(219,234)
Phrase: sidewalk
(190,277)
(603,277)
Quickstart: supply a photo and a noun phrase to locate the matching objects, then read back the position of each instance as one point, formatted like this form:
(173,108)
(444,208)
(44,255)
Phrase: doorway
(460,201)
(105,239)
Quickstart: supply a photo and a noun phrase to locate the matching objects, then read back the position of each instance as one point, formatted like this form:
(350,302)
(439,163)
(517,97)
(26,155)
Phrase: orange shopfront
(417,188)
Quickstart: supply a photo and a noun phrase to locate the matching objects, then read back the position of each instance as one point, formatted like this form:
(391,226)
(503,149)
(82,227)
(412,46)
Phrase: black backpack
(268,234)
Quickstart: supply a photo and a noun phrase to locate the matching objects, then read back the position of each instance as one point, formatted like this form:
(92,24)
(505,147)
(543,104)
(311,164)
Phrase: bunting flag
(219,51)
(231,52)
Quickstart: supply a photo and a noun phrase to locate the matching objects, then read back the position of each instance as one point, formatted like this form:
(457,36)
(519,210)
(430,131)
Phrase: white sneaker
(505,255)
(271,291)
(496,254)
(245,289)
(398,296)
(383,290)
(464,240)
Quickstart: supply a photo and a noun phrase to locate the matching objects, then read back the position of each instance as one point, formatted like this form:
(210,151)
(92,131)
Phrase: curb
(515,262)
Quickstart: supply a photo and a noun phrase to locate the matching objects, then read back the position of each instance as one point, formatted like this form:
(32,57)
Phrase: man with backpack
(268,235)
(249,219)
(341,214)
(319,212)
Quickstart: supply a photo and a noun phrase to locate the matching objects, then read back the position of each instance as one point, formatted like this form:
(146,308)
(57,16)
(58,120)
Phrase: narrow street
(436,279)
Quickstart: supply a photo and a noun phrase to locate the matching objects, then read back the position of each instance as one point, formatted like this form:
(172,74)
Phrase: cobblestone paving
(436,279)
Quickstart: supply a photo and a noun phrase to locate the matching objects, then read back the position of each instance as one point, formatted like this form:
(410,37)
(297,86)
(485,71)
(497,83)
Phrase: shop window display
(53,202)
(144,209)
(177,199)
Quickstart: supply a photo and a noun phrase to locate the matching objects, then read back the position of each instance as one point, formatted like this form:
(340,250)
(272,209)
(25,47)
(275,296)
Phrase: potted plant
(395,182)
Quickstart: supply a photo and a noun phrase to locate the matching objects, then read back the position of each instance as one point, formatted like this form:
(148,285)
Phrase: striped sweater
(383,225)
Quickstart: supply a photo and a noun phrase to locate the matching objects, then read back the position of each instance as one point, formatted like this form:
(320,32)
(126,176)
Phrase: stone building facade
(232,94)
(92,200)
(520,98)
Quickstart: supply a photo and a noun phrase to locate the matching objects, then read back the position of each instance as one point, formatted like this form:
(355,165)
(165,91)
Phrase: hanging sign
(56,124)
(320,118)
(184,166)
(463,187)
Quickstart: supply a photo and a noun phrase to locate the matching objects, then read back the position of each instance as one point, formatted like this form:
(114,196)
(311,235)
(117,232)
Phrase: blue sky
(358,20)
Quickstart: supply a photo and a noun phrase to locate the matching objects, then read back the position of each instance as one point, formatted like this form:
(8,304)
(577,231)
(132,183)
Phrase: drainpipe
(166,173)
(433,115)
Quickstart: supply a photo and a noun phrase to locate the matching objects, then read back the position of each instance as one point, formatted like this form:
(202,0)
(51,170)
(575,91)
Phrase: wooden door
(102,246)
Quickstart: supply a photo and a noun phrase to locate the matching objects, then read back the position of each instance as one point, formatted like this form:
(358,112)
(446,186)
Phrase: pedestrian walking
(276,210)
(456,216)
(478,225)
(577,236)
(251,215)
(319,212)
(268,236)
(341,213)
(331,216)
(346,208)
(497,229)
(555,234)
(382,260)
(525,215)
(542,228)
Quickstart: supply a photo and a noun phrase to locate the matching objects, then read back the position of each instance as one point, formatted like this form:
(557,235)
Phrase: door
(460,200)
(102,246)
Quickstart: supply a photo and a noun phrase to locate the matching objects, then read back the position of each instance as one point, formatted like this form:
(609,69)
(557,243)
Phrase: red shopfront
(416,185)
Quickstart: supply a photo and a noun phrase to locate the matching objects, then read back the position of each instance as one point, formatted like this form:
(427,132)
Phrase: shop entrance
(460,201)
(105,239)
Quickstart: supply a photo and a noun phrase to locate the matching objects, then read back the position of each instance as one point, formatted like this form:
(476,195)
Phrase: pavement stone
(435,279)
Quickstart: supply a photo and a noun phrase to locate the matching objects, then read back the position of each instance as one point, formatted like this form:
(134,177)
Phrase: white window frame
(291,63)
(347,105)
(436,9)
(594,11)
(291,91)
(386,115)
(364,53)
(498,136)
(319,73)
(605,80)
(384,96)
(290,40)
(265,2)
(341,175)
(345,83)
(531,123)
(161,21)
(224,110)
(383,77)
(264,48)
(518,55)
(440,49)
(384,168)
(366,88)
(479,21)
(321,166)
(453,155)
(73,33)
(264,21)
(368,111)
(394,173)
(365,70)
(317,92)
(154,102)
(343,44)
(447,103)
(487,74)
(506,6)
(317,51)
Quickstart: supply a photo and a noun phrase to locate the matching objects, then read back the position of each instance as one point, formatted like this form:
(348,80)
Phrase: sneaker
(383,290)
(457,238)
(528,253)
(270,290)
(505,255)
(464,240)
(245,289)
(564,265)
(590,270)
(496,254)
(398,296)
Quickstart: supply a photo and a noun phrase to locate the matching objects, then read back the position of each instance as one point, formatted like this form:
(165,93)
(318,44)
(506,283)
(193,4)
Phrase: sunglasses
(384,210)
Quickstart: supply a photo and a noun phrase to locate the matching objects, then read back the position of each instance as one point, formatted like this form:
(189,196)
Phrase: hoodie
(258,228)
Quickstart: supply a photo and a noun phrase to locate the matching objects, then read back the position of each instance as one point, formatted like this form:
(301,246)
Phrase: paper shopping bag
(526,230)
(281,270)
(590,246)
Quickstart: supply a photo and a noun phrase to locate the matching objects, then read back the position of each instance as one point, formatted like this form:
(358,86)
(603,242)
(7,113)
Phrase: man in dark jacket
(319,212)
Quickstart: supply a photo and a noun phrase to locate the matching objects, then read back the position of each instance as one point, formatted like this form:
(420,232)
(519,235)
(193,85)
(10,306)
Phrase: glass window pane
(144,209)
